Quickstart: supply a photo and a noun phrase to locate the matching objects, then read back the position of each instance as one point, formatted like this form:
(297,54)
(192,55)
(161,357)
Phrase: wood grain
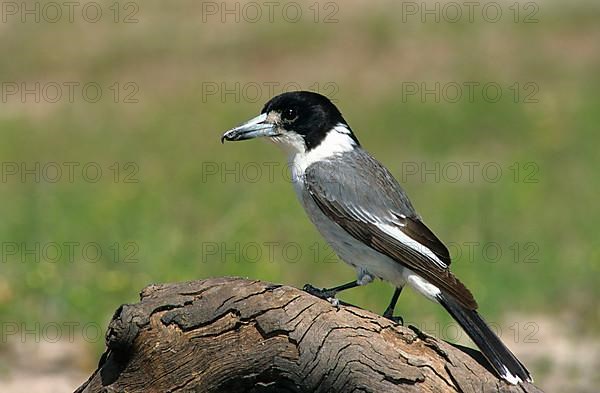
(236,335)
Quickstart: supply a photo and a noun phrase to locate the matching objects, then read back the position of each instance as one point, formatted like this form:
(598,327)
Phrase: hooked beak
(253,128)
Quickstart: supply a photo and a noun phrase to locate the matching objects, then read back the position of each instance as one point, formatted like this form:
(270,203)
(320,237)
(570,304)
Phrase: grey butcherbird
(366,217)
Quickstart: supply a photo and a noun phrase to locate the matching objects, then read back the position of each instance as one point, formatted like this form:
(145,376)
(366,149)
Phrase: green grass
(176,210)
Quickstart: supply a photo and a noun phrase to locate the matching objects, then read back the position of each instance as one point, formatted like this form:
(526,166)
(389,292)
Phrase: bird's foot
(398,319)
(325,294)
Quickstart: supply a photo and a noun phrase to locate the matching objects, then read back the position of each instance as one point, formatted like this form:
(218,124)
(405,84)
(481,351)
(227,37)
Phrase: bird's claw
(335,302)
(320,293)
(398,319)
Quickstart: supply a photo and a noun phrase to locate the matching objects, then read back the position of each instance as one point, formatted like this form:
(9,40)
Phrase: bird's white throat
(337,141)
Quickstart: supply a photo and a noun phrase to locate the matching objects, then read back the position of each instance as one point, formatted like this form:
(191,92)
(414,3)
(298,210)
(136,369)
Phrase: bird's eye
(289,115)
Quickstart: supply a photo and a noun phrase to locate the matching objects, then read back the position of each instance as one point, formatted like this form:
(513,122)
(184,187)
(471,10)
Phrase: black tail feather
(500,357)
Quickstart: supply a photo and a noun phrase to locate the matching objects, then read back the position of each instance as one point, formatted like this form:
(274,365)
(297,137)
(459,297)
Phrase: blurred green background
(173,204)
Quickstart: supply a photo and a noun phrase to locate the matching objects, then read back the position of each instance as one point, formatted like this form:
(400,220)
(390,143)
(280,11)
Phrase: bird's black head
(298,119)
(311,115)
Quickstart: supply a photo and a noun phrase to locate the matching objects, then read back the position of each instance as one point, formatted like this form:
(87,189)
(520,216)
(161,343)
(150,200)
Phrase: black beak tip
(225,137)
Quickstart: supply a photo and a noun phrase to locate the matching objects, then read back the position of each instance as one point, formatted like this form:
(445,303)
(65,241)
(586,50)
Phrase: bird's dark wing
(374,209)
(418,231)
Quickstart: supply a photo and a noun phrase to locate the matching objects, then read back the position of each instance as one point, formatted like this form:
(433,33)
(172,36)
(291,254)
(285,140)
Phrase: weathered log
(236,335)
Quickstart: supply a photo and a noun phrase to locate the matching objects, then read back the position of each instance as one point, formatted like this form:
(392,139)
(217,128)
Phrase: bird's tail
(501,358)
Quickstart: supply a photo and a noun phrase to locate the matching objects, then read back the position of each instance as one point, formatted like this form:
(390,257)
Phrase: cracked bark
(236,335)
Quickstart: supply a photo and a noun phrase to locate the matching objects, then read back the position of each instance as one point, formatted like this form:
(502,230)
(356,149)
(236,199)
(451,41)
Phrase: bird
(366,216)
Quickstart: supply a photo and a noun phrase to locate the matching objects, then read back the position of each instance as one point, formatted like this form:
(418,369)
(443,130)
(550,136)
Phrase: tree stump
(236,335)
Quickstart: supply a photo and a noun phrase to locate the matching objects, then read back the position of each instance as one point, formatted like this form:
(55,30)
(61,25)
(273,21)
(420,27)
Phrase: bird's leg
(389,311)
(330,292)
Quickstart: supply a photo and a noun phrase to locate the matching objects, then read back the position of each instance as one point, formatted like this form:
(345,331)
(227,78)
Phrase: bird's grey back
(360,179)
